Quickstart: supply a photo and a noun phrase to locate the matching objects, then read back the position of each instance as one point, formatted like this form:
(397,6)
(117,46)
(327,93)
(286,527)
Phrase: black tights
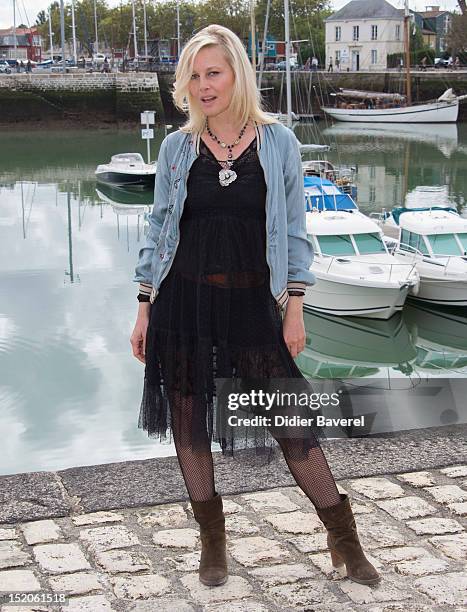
(312,473)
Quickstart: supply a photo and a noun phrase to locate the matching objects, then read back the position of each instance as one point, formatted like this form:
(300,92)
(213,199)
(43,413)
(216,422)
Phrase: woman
(222,285)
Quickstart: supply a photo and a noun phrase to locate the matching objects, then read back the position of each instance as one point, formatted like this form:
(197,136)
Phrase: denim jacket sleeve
(300,248)
(143,273)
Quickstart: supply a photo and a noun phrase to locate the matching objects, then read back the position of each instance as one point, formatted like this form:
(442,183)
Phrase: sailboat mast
(51,37)
(407,52)
(287,63)
(135,41)
(145,32)
(263,51)
(73,28)
(253,34)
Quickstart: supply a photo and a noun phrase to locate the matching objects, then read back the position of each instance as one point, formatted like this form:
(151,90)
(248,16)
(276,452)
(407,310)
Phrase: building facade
(437,24)
(28,44)
(363,33)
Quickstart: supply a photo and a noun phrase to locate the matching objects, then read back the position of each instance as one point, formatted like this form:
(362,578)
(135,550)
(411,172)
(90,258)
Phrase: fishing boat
(127,170)
(342,176)
(380,107)
(355,273)
(434,240)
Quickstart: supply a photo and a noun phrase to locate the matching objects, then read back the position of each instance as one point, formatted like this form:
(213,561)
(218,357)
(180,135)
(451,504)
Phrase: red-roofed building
(28,44)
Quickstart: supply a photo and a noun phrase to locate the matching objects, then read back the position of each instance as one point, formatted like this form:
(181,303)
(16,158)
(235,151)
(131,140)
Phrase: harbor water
(69,386)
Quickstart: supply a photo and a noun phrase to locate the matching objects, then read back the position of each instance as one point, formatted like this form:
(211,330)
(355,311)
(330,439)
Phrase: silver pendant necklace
(226,175)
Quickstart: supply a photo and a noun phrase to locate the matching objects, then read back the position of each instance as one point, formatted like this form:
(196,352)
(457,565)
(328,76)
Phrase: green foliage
(115,24)
(393,59)
(457,37)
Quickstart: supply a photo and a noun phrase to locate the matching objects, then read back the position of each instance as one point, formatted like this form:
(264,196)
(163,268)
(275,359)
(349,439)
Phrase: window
(405,240)
(372,194)
(398,32)
(374,32)
(369,243)
(374,56)
(338,33)
(463,241)
(444,244)
(372,172)
(336,245)
(356,32)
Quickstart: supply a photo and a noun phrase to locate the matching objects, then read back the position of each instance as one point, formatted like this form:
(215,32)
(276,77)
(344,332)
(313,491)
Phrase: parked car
(282,65)
(5,67)
(440,62)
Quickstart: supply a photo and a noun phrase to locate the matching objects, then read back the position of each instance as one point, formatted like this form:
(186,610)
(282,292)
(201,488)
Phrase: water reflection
(355,347)
(393,161)
(69,386)
(440,337)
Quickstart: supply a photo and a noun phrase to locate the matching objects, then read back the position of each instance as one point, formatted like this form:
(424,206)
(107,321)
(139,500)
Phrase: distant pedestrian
(18,67)
(29,66)
(307,64)
(457,63)
(401,64)
(330,67)
(450,63)
(314,63)
(423,62)
(338,63)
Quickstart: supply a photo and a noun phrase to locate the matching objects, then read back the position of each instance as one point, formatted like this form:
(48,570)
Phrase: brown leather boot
(344,544)
(213,564)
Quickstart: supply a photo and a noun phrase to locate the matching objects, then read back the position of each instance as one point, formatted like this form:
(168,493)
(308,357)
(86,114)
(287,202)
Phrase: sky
(27,9)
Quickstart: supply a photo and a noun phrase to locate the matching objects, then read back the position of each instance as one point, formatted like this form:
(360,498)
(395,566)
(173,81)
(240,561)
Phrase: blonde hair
(246,98)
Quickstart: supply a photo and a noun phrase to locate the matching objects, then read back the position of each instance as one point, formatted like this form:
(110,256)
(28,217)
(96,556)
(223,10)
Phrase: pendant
(227,176)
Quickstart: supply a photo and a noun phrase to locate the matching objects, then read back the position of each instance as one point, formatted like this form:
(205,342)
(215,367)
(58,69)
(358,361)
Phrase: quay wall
(310,90)
(83,98)
(95,98)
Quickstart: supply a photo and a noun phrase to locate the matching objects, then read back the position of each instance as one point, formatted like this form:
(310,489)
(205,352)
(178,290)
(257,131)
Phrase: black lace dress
(215,315)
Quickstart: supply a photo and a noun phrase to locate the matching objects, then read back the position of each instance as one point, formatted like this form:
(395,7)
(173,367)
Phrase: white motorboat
(127,170)
(435,240)
(355,273)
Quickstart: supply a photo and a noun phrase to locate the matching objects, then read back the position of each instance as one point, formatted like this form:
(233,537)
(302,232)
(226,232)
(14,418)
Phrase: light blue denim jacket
(289,253)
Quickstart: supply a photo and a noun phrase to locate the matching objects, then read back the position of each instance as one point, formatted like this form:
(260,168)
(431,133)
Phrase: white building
(361,35)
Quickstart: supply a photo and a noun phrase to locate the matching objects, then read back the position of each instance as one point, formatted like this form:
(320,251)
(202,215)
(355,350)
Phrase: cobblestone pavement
(412,526)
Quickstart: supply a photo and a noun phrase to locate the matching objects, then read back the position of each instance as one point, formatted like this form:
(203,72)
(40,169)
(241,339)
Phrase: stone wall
(85,97)
(310,90)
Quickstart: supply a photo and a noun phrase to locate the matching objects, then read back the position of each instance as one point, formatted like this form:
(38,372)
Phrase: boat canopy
(369,95)
(322,194)
(127,158)
(397,212)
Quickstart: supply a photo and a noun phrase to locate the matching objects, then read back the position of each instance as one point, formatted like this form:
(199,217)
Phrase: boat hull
(434,112)
(343,299)
(120,179)
(444,293)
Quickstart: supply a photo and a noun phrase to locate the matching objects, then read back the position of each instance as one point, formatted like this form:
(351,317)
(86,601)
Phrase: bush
(393,59)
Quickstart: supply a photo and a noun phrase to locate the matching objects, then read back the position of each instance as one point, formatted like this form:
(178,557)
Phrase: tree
(41,18)
(306,23)
(457,37)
